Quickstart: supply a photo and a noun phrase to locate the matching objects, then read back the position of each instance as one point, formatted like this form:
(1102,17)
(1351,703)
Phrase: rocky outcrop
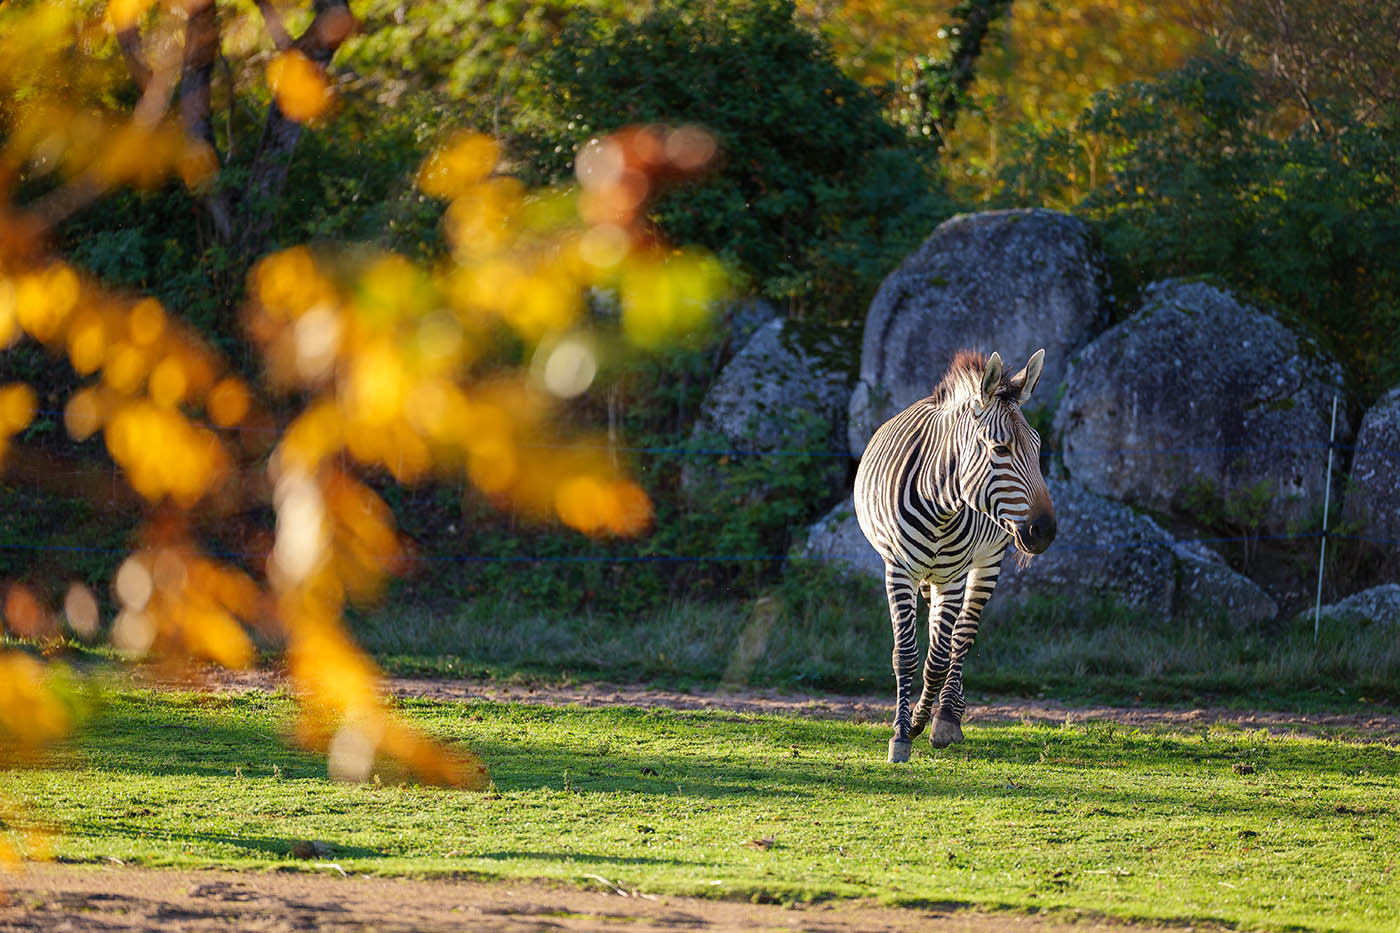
(1103,550)
(742,319)
(1106,549)
(778,394)
(1373,492)
(1199,403)
(1010,281)
(836,539)
(1379,604)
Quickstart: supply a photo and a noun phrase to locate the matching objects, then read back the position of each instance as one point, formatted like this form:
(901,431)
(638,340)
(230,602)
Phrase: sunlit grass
(1212,825)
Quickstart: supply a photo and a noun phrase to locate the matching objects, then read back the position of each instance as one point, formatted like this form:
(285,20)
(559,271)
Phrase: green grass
(1211,826)
(837,638)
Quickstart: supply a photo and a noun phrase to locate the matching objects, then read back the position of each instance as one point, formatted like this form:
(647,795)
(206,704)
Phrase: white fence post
(1326,500)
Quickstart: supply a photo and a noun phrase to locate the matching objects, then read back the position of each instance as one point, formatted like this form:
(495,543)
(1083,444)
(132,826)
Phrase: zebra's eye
(1001,450)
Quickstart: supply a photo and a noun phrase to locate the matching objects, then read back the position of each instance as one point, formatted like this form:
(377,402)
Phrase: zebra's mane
(963,380)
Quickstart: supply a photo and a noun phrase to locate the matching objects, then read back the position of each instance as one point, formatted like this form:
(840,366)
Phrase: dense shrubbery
(818,195)
(1192,183)
(730,545)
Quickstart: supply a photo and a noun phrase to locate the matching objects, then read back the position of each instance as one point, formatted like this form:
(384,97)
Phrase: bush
(1193,183)
(818,195)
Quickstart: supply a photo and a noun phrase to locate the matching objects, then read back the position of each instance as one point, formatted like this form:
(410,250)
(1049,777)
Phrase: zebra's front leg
(900,591)
(942,613)
(947,724)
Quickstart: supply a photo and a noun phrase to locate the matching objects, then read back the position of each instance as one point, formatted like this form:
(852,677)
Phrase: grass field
(1223,826)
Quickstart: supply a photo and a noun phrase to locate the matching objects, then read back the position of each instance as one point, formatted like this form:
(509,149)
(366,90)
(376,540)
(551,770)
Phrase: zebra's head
(1000,465)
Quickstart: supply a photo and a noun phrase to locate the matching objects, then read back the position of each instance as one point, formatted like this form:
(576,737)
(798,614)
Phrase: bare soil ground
(1379,726)
(72,898)
(120,898)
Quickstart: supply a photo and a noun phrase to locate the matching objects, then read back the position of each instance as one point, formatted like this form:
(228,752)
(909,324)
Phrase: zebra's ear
(991,379)
(1027,378)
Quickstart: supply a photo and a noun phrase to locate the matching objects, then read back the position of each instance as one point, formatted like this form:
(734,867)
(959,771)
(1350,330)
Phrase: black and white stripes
(943,488)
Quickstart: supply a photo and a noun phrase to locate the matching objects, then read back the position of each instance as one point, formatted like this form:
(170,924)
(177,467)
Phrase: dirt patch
(1382,727)
(82,898)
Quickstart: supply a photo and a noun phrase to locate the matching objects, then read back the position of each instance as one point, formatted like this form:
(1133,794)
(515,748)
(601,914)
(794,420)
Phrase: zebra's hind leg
(899,589)
(936,663)
(973,595)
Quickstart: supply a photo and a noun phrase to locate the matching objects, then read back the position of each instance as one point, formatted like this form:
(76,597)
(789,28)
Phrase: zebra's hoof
(900,749)
(945,732)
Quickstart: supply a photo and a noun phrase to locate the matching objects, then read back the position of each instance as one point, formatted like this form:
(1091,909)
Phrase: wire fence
(734,453)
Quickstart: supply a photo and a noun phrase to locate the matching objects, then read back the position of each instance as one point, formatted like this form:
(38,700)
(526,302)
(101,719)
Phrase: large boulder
(1103,549)
(836,539)
(1378,604)
(1009,281)
(1199,401)
(1373,494)
(782,393)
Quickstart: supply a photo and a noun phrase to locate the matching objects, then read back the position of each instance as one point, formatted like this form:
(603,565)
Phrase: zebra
(941,491)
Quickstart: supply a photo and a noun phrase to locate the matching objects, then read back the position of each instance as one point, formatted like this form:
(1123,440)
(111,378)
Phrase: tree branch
(942,87)
(196,79)
(275,27)
(332,25)
(129,39)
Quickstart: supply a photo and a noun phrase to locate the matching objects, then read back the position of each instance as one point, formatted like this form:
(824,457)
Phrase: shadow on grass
(720,758)
(264,847)
(156,736)
(510,854)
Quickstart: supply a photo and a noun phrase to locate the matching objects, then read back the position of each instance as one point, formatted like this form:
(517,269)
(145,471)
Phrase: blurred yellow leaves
(454,168)
(299,86)
(17,405)
(44,299)
(380,365)
(32,713)
(163,454)
(178,604)
(594,506)
(664,298)
(124,14)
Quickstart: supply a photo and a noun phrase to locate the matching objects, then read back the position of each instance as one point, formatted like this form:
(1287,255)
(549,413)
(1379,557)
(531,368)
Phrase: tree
(816,194)
(940,86)
(239,213)
(374,366)
(1318,55)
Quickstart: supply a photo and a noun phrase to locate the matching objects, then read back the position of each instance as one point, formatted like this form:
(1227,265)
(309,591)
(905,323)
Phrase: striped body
(943,488)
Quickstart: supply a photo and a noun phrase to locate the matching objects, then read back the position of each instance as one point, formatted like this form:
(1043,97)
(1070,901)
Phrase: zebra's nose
(1038,531)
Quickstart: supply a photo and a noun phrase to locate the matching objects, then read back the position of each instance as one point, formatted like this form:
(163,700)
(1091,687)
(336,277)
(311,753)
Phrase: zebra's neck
(948,432)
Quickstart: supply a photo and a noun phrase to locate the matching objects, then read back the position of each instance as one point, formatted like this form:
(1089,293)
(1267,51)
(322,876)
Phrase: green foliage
(465,56)
(817,195)
(1191,182)
(1241,515)
(720,539)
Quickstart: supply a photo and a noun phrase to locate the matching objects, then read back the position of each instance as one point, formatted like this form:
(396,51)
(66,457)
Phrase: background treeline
(1238,140)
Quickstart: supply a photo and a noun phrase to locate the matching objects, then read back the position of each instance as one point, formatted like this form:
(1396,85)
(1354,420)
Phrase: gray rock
(1378,604)
(745,318)
(836,539)
(1373,493)
(1198,398)
(1103,549)
(1206,584)
(1010,281)
(774,395)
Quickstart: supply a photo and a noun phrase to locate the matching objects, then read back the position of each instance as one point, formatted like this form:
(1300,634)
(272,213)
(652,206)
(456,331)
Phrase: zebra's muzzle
(1035,533)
